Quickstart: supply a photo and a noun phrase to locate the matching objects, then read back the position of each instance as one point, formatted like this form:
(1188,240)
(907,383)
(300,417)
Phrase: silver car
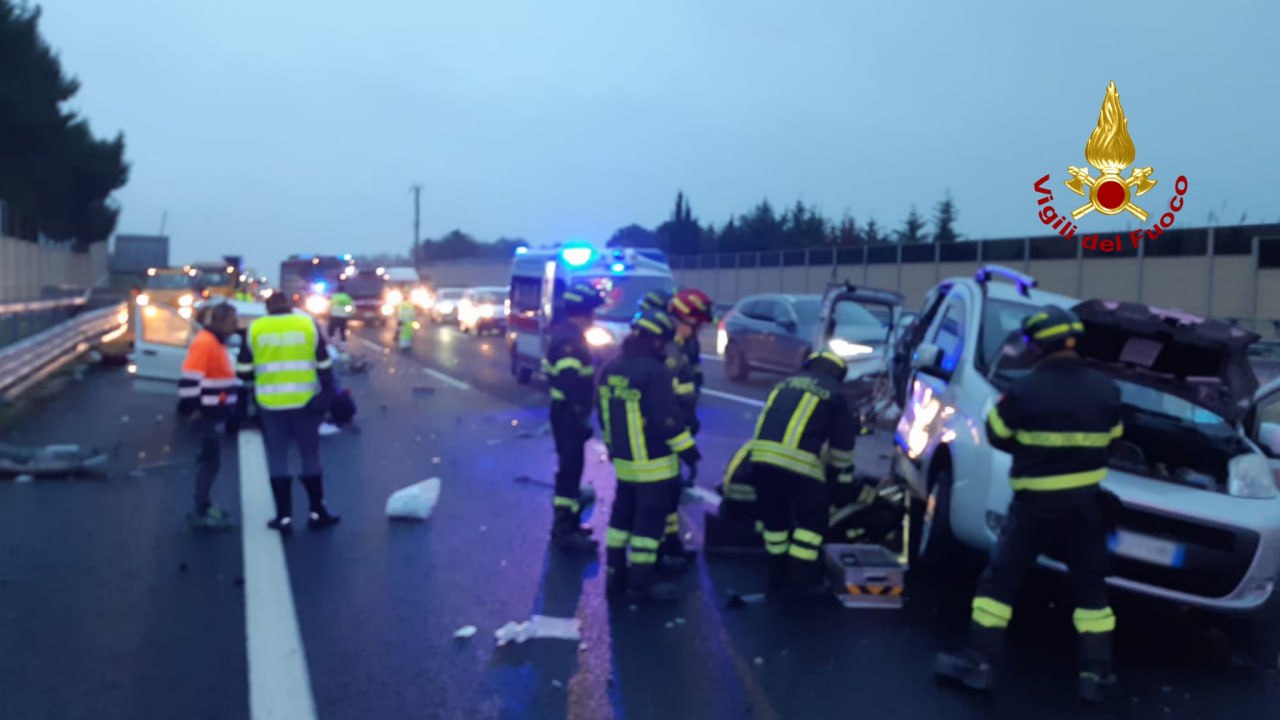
(1196,472)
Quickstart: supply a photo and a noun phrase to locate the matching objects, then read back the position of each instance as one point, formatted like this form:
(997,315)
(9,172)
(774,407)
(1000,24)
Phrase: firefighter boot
(1097,680)
(320,516)
(615,570)
(642,586)
(568,535)
(282,493)
(972,667)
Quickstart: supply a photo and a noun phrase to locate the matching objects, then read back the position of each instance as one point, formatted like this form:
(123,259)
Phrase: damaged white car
(1196,470)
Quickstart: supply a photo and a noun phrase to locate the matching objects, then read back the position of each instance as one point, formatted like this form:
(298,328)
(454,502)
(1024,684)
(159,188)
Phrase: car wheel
(935,545)
(735,364)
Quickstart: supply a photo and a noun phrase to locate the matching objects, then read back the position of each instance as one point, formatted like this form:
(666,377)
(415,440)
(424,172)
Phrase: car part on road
(466,631)
(865,576)
(50,460)
(416,501)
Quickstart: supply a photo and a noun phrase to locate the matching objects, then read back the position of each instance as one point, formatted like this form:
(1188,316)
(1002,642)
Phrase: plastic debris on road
(24,478)
(50,460)
(327,429)
(465,632)
(539,626)
(737,600)
(416,501)
(697,494)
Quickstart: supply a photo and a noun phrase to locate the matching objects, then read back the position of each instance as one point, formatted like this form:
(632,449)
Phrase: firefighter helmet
(657,299)
(691,306)
(1052,328)
(654,323)
(826,362)
(581,299)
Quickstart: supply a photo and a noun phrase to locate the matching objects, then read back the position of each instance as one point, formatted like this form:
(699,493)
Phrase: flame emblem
(1110,150)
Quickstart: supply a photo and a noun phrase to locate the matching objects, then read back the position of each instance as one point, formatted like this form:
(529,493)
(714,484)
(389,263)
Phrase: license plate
(1147,549)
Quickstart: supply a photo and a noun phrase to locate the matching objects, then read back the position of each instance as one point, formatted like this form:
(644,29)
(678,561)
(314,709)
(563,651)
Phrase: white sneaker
(329,429)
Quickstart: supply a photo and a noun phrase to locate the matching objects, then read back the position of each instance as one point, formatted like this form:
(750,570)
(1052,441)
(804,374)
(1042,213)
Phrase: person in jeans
(287,361)
(207,393)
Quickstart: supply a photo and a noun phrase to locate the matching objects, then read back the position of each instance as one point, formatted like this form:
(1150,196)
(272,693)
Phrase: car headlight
(420,297)
(1249,476)
(186,300)
(722,340)
(388,308)
(185,313)
(395,297)
(598,337)
(486,311)
(317,304)
(445,307)
(846,349)
(144,299)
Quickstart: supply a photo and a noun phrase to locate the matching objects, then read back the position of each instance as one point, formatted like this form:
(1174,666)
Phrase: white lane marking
(736,398)
(446,379)
(279,683)
(716,358)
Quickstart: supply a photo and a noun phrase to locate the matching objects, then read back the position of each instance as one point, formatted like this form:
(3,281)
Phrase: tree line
(798,227)
(56,178)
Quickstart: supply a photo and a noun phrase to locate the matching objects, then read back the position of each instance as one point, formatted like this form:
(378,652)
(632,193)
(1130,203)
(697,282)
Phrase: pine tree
(913,229)
(944,221)
(872,233)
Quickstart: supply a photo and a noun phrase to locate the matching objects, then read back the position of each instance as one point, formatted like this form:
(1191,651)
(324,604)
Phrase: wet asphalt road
(110,608)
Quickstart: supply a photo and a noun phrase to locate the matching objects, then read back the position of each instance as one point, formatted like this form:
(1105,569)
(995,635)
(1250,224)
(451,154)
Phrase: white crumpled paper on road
(539,626)
(416,501)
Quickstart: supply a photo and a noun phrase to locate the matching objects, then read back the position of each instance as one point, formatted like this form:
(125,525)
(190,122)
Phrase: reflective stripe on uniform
(801,552)
(557,394)
(673,523)
(1058,330)
(680,442)
(280,388)
(775,542)
(997,424)
(565,363)
(1068,481)
(635,431)
(684,388)
(799,420)
(216,400)
(807,537)
(1100,620)
(1042,438)
(845,478)
(615,538)
(644,550)
(571,504)
(741,493)
(787,458)
(841,458)
(663,468)
(189,391)
(991,613)
(285,365)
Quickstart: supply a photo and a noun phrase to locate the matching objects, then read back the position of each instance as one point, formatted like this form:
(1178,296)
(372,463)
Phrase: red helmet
(691,306)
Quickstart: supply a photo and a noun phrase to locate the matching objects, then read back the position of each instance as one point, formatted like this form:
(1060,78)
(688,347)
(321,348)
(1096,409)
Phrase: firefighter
(207,391)
(804,413)
(571,376)
(407,315)
(655,300)
(647,439)
(690,309)
(287,362)
(341,304)
(1057,422)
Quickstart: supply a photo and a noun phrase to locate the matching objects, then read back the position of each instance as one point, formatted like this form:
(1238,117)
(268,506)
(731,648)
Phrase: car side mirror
(928,359)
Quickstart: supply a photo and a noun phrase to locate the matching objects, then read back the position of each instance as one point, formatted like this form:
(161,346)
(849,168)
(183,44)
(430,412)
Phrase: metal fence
(30,360)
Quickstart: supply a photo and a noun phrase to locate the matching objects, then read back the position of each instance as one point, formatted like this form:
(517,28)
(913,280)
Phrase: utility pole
(164,220)
(417,207)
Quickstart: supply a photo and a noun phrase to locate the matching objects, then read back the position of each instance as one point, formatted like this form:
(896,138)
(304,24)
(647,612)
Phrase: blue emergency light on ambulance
(577,255)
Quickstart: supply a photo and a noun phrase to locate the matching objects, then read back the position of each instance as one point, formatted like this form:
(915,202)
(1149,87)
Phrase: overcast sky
(266,127)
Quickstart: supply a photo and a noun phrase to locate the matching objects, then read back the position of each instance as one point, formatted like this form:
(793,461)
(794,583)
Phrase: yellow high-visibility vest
(284,360)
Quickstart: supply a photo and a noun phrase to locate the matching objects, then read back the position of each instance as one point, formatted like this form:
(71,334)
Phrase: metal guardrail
(30,360)
(24,319)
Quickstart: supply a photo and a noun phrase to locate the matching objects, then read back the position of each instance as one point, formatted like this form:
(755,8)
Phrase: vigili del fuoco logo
(1110,150)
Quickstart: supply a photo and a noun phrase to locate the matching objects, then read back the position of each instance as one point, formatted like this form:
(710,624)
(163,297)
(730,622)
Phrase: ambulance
(539,278)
